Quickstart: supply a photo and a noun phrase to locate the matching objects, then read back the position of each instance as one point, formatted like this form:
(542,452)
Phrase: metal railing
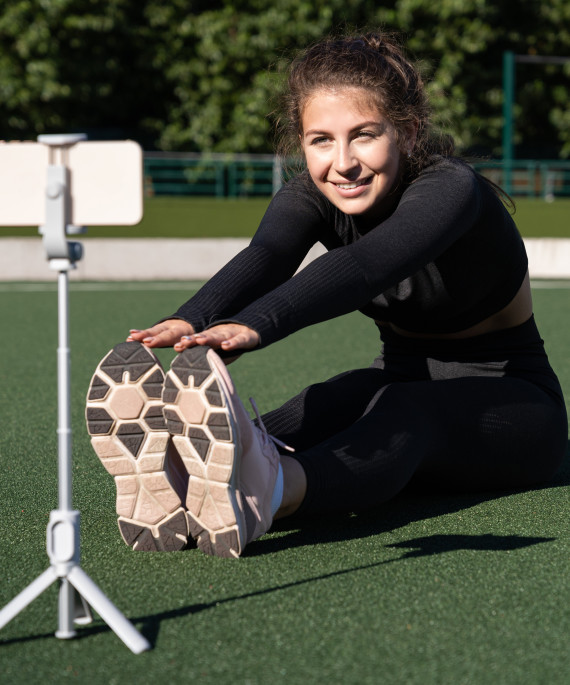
(219,175)
(531,178)
(215,175)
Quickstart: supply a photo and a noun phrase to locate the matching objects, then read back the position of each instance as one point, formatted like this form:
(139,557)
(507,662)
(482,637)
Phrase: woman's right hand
(164,334)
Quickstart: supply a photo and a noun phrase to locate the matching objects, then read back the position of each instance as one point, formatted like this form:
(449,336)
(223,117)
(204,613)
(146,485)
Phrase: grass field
(426,590)
(183,217)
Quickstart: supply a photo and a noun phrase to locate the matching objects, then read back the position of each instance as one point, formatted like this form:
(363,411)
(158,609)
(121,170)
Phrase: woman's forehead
(357,100)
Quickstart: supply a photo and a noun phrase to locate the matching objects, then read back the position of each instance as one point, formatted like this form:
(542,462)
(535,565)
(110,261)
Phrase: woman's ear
(410,137)
(301,145)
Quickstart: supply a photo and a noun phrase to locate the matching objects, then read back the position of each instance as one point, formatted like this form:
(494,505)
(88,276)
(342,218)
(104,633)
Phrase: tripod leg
(122,627)
(66,609)
(82,613)
(27,596)
(72,609)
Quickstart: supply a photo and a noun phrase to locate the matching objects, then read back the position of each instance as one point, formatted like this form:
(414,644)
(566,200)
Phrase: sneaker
(233,465)
(128,433)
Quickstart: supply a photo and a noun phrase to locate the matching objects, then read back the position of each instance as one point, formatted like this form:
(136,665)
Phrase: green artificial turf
(203,217)
(182,217)
(536,218)
(428,589)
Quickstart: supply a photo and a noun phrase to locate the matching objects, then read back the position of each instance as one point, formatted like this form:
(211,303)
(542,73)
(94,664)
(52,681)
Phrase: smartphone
(105,182)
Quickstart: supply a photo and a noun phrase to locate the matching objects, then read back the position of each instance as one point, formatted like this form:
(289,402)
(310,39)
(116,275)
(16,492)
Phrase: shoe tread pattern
(128,433)
(199,421)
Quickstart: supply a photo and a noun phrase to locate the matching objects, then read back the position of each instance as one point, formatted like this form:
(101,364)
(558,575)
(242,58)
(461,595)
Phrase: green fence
(260,175)
(530,178)
(214,175)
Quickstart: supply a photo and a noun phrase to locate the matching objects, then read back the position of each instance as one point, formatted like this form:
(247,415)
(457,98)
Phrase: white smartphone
(106,182)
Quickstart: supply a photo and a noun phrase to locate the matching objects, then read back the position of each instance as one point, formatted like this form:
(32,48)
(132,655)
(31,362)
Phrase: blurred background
(194,81)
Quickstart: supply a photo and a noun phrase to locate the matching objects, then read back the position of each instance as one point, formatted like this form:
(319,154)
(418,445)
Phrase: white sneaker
(233,465)
(128,433)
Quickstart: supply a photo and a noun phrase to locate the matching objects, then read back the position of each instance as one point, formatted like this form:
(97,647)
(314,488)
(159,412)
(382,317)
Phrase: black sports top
(446,256)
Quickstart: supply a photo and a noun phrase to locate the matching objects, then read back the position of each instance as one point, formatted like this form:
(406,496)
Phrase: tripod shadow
(411,505)
(149,625)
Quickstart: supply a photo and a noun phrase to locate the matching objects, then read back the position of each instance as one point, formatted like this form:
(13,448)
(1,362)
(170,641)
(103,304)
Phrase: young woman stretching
(462,394)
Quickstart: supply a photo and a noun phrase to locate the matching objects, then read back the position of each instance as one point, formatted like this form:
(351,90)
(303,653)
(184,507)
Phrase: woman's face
(351,150)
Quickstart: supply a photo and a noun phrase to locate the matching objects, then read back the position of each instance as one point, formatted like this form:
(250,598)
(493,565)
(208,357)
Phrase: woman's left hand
(226,336)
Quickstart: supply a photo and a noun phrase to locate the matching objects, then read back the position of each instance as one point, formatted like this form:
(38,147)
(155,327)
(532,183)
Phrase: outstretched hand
(226,337)
(164,334)
(180,335)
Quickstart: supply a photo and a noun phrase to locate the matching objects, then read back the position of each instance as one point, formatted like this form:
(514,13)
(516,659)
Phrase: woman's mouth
(353,188)
(354,184)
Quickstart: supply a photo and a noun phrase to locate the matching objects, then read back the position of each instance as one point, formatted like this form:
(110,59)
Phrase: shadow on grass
(414,503)
(410,505)
(437,544)
(420,547)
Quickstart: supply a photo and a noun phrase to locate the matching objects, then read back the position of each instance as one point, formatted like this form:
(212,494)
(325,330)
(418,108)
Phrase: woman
(462,395)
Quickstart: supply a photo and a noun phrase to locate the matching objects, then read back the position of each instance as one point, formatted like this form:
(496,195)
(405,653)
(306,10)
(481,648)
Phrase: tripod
(77,592)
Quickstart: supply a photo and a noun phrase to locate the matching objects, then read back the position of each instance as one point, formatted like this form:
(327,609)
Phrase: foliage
(462,43)
(201,75)
(228,65)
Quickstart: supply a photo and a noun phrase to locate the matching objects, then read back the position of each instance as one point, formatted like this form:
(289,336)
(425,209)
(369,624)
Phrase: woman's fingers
(180,335)
(164,334)
(224,336)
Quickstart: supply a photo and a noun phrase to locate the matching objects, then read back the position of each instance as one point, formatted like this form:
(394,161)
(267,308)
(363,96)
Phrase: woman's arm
(433,213)
(291,225)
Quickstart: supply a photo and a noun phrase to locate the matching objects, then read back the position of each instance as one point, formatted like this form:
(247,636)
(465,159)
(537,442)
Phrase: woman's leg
(460,434)
(324,409)
(294,486)
(315,414)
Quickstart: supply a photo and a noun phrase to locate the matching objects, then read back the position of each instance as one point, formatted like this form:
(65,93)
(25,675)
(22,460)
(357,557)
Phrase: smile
(352,186)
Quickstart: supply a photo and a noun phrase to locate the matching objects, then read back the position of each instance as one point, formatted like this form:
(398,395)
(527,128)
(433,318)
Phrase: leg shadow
(414,503)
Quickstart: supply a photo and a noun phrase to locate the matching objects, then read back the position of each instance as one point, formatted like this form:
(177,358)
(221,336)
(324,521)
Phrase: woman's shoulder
(446,177)
(458,177)
(448,168)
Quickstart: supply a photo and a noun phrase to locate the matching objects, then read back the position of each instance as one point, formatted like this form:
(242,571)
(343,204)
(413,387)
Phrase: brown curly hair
(375,63)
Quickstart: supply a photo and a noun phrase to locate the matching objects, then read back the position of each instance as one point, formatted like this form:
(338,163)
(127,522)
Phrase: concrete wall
(132,259)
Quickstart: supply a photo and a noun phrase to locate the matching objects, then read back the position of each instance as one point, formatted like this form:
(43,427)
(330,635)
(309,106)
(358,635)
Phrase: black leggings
(478,414)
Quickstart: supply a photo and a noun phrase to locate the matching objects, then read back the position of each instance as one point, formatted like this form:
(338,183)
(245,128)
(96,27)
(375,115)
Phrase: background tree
(461,43)
(200,75)
(69,65)
(228,63)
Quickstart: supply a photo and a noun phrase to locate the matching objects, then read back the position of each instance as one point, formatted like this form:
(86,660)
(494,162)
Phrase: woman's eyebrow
(363,124)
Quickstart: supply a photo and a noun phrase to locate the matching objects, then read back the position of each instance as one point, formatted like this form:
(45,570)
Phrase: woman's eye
(365,134)
(319,141)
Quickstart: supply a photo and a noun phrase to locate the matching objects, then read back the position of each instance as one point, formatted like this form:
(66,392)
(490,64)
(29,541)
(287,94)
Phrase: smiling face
(351,150)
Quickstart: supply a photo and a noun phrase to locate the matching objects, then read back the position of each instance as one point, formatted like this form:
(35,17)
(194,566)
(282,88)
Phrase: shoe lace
(263,429)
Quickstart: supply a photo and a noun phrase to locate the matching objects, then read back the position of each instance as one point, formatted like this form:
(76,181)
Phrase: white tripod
(77,591)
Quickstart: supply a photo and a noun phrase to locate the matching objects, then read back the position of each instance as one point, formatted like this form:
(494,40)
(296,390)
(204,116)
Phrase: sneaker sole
(128,433)
(200,421)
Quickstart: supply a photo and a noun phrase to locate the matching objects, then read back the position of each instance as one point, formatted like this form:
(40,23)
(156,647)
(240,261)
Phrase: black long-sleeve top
(447,256)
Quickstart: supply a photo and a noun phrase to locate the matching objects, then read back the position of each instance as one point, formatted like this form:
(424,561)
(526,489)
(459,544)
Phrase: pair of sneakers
(186,458)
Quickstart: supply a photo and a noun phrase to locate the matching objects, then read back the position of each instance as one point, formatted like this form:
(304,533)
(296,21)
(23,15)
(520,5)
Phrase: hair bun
(383,44)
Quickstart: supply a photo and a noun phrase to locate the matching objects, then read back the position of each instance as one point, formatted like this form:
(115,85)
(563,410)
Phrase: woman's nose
(345,160)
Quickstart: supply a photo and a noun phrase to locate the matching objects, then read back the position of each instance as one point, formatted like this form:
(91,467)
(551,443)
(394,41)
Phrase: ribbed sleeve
(254,271)
(330,286)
